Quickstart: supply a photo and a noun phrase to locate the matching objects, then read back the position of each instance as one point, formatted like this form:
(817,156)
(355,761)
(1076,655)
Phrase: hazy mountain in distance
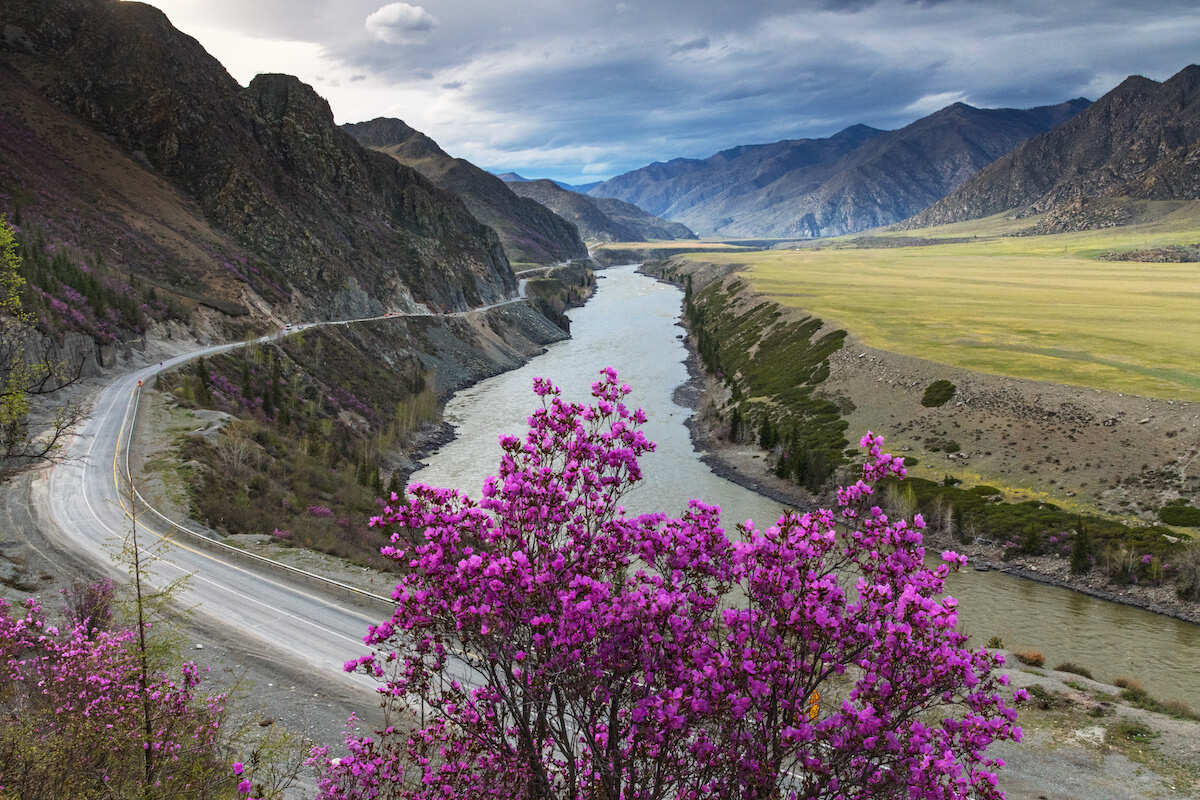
(859,178)
(601,219)
(1140,141)
(513,177)
(529,231)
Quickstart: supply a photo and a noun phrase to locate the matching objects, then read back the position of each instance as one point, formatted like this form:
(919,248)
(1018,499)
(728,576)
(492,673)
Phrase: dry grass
(1030,658)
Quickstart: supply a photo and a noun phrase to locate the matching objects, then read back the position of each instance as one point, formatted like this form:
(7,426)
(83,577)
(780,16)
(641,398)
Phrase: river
(632,325)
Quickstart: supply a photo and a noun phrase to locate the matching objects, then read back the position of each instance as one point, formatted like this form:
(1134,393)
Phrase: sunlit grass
(1039,307)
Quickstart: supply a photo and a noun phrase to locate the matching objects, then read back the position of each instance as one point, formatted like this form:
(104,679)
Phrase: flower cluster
(76,700)
(555,647)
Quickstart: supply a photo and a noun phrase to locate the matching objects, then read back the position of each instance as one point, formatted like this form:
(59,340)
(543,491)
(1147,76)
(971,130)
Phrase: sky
(581,90)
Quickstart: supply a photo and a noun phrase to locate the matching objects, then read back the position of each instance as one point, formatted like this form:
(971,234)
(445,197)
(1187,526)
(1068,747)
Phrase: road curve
(86,506)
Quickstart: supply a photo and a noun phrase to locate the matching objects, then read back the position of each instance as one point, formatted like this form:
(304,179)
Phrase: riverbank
(746,466)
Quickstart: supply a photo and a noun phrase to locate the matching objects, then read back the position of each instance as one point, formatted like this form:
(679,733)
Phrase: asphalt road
(286,618)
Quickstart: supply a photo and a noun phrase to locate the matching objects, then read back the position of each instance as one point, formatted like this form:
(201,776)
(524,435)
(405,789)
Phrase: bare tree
(29,369)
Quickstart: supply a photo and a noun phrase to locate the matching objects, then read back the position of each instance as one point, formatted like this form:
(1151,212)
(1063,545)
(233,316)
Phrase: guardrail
(229,550)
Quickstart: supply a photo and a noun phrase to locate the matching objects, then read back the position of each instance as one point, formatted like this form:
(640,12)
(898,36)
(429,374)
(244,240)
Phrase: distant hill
(601,219)
(529,231)
(513,177)
(125,142)
(1141,141)
(857,179)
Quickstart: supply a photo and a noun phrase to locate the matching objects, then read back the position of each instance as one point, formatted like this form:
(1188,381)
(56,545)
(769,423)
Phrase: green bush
(1183,515)
(1131,731)
(938,393)
(995,643)
(1067,666)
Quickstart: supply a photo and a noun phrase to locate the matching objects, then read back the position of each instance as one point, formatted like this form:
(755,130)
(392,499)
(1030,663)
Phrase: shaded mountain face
(857,179)
(1139,141)
(528,231)
(601,219)
(265,197)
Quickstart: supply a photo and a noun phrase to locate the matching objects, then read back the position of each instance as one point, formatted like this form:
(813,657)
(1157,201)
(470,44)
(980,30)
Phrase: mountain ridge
(601,219)
(1141,140)
(859,178)
(528,231)
(310,222)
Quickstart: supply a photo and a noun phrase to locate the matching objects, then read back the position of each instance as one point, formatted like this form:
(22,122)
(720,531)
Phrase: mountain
(528,231)
(267,207)
(601,219)
(859,178)
(513,177)
(1139,141)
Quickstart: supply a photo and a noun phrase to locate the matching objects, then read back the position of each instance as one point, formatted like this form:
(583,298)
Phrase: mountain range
(601,219)
(529,231)
(857,179)
(123,141)
(1140,141)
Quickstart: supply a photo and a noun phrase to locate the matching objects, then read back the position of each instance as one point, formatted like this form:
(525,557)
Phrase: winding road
(287,614)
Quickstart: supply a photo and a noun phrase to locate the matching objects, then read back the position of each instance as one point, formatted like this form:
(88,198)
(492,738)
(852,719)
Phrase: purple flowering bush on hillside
(551,646)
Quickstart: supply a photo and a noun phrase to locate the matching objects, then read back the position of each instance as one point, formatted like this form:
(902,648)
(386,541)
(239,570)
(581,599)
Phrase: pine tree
(1081,550)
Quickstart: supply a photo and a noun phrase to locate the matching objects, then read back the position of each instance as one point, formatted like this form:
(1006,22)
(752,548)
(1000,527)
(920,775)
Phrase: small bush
(995,643)
(1067,666)
(1180,709)
(1030,658)
(1182,515)
(1124,682)
(938,393)
(1131,732)
(1044,698)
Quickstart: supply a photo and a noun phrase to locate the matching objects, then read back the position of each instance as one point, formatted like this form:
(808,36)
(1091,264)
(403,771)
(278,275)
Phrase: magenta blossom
(557,648)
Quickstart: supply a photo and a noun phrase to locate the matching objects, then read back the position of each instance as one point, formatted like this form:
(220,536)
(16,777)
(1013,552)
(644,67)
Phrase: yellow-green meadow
(1040,307)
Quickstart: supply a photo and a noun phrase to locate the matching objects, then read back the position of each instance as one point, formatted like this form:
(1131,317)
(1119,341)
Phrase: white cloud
(930,103)
(396,23)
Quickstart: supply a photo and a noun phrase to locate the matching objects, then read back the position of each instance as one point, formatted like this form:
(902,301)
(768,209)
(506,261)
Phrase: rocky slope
(267,203)
(601,219)
(857,179)
(529,231)
(1140,141)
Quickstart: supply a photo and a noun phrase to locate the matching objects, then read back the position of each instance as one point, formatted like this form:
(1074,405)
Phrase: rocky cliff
(601,219)
(529,231)
(1140,141)
(270,203)
(857,179)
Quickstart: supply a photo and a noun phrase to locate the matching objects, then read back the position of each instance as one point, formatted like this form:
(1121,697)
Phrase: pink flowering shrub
(550,646)
(74,715)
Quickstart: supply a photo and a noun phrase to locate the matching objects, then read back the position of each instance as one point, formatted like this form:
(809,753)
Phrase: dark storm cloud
(595,87)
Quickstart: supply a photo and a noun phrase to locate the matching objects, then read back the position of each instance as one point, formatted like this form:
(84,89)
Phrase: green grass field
(1040,307)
